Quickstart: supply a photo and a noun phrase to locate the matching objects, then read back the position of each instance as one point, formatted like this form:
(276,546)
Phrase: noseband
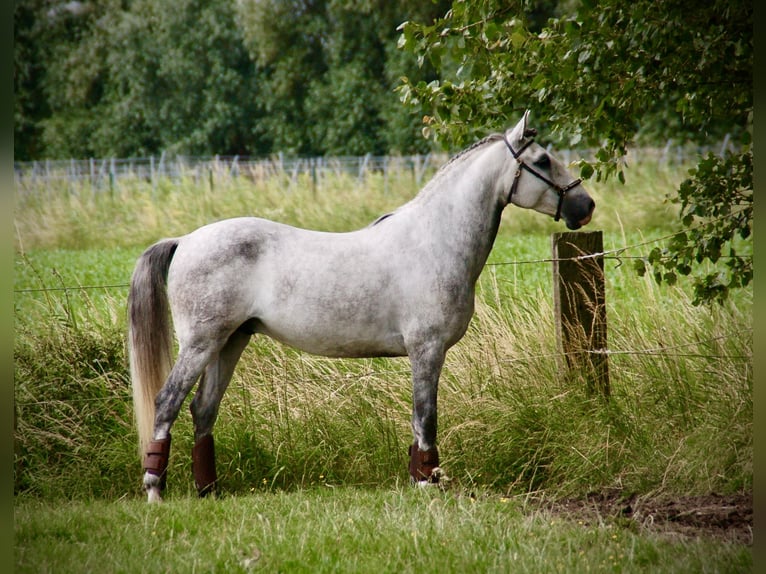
(562,190)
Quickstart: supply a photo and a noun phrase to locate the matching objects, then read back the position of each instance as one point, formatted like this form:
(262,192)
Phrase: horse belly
(339,347)
(330,322)
(332,332)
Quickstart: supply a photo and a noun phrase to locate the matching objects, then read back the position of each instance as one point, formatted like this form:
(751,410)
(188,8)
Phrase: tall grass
(138,213)
(678,421)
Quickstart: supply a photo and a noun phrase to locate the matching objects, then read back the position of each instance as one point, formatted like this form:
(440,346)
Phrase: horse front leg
(204,410)
(427,362)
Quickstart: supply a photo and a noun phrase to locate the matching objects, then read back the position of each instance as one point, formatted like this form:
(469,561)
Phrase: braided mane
(461,155)
(433,184)
(473,146)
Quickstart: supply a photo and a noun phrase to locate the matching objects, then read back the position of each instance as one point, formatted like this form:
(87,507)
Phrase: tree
(595,73)
(330,71)
(47,41)
(179,79)
(131,78)
(248,77)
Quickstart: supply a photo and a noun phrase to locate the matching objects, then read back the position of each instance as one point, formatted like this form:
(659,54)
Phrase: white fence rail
(38,176)
(104,174)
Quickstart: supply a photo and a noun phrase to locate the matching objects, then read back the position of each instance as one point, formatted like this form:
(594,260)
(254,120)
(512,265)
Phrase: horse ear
(528,132)
(521,132)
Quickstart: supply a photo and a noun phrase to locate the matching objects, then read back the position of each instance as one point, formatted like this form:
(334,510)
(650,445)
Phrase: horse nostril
(591,206)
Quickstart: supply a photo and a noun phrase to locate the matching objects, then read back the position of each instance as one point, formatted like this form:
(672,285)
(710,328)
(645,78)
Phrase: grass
(312,451)
(346,530)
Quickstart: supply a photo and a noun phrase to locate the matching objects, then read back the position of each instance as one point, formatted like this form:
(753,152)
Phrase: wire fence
(608,254)
(669,352)
(35,177)
(617,254)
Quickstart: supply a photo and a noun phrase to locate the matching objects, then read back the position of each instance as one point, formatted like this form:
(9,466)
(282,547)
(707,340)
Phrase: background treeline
(138,77)
(133,78)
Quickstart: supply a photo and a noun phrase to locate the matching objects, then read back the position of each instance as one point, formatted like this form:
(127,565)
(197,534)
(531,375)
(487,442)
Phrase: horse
(402,286)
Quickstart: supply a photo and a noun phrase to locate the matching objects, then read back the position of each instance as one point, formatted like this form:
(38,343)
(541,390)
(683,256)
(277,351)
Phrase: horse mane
(462,155)
(443,169)
(472,147)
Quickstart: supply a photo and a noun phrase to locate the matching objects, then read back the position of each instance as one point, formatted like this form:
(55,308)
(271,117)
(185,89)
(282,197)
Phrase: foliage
(135,78)
(602,73)
(591,74)
(329,73)
(717,207)
(226,77)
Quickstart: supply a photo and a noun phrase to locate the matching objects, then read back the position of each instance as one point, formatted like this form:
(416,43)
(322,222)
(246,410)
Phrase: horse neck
(462,207)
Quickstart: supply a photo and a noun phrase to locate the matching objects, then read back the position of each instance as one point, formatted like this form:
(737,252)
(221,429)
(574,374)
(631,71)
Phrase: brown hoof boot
(156,459)
(203,465)
(423,463)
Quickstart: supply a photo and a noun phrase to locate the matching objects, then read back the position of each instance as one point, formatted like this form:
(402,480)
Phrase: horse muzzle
(580,217)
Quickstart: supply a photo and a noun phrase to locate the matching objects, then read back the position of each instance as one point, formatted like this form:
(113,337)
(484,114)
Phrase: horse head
(541,182)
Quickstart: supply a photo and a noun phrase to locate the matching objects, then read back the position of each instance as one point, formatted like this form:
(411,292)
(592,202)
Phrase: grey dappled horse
(404,285)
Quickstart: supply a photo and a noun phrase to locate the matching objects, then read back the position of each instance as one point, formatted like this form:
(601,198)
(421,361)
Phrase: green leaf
(639,267)
(518,39)
(670,278)
(655,255)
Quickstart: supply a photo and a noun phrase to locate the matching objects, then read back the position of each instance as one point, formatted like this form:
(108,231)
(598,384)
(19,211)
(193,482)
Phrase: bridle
(562,190)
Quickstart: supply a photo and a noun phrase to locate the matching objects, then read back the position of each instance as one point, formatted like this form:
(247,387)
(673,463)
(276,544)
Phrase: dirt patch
(728,518)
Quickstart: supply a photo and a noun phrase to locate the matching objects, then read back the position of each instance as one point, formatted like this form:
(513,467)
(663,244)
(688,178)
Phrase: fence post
(112,175)
(313,164)
(363,166)
(580,306)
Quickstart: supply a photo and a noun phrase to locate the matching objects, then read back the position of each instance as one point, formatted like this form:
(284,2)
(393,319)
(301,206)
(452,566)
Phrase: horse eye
(543,161)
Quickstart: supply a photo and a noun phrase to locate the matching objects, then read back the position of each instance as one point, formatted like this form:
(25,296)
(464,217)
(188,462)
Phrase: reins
(562,190)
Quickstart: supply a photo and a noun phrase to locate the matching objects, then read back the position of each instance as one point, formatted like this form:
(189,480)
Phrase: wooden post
(313,164)
(112,176)
(580,306)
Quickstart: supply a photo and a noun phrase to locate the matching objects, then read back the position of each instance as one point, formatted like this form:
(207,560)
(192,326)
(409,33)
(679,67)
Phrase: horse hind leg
(204,409)
(188,367)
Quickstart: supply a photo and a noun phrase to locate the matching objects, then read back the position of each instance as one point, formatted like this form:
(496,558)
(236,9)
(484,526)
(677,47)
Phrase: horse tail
(149,337)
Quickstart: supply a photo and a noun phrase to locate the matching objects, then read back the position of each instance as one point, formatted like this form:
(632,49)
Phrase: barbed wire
(656,351)
(76,288)
(611,254)
(660,351)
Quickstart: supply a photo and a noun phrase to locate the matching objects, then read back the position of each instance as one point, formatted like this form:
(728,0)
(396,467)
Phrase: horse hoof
(208,491)
(153,495)
(437,478)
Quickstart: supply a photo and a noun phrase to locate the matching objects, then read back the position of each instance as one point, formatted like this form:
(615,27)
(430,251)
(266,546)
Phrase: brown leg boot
(423,463)
(156,459)
(203,465)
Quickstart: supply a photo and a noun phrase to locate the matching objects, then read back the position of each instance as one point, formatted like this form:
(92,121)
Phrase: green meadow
(312,451)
